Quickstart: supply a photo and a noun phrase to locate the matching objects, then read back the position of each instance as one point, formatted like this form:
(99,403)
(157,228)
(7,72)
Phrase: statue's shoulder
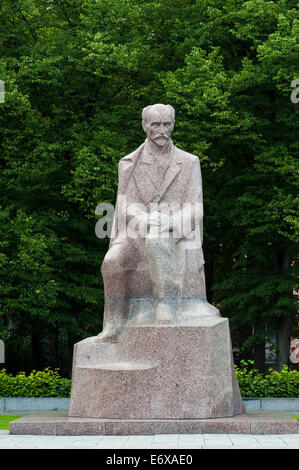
(186,156)
(131,156)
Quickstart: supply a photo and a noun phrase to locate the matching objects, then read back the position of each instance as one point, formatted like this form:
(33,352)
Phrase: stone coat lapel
(181,184)
(144,176)
(172,171)
(125,168)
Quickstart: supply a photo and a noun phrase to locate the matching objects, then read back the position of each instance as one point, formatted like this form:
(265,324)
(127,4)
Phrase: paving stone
(190,446)
(288,442)
(108,443)
(273,446)
(217,446)
(289,437)
(248,442)
(137,440)
(190,440)
(54,445)
(140,446)
(159,441)
(268,438)
(165,445)
(114,439)
(90,442)
(246,446)
(165,437)
(222,441)
(223,438)
(169,442)
(80,446)
(25,445)
(102,445)
(242,437)
(213,436)
(138,443)
(6,443)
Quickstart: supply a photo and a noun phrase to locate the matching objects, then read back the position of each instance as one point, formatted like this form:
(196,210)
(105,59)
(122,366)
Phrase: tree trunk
(71,343)
(56,341)
(259,354)
(36,348)
(283,328)
(283,341)
(245,333)
(259,357)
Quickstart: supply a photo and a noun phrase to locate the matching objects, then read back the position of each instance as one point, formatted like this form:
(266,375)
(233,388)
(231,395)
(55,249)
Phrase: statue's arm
(116,231)
(126,212)
(190,215)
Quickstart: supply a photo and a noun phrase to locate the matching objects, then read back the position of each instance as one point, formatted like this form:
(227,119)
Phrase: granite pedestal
(59,424)
(178,372)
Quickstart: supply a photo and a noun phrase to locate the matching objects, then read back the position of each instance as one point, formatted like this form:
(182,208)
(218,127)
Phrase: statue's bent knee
(114,260)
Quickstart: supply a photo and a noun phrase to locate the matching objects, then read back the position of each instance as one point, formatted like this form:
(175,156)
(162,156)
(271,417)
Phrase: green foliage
(233,92)
(253,384)
(295,416)
(45,383)
(77,75)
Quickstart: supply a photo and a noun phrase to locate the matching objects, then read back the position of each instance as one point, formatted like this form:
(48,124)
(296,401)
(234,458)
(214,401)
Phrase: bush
(254,384)
(46,383)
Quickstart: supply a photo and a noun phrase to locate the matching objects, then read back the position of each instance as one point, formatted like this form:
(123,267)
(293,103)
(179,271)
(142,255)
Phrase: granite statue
(160,188)
(164,358)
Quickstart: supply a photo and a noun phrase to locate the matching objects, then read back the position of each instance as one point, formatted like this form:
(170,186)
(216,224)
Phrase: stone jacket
(181,188)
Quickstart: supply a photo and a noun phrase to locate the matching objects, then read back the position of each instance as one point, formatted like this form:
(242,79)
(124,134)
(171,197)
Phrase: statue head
(158,123)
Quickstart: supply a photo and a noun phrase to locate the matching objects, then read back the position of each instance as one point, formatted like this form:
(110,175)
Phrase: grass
(295,416)
(5,420)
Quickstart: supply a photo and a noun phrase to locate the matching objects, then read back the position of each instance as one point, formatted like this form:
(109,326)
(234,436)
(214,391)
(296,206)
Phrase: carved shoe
(110,334)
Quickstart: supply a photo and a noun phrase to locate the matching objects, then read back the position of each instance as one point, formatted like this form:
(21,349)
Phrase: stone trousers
(164,265)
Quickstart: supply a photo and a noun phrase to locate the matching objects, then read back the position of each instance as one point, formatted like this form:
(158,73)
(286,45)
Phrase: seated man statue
(155,258)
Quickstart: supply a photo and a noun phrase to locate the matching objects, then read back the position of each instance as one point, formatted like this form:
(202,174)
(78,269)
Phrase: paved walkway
(158,441)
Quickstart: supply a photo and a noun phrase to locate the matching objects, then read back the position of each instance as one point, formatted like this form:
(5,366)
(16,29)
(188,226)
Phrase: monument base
(157,371)
(59,424)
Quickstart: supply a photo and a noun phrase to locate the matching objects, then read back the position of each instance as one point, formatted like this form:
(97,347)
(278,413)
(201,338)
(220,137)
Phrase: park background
(77,74)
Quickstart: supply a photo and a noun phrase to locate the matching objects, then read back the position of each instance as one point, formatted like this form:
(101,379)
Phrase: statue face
(159,125)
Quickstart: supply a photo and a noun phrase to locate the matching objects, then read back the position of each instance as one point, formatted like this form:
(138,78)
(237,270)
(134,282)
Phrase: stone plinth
(158,372)
(57,423)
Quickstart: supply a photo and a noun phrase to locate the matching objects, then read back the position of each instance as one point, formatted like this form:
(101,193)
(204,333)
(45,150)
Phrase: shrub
(45,383)
(254,384)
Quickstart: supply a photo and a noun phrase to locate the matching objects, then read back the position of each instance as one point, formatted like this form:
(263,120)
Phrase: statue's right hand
(154,218)
(142,218)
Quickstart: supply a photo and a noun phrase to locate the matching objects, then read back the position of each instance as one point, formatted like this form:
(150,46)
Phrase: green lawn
(295,416)
(5,420)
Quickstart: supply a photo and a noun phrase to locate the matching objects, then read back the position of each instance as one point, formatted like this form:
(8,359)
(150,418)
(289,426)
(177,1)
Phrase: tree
(234,93)
(77,74)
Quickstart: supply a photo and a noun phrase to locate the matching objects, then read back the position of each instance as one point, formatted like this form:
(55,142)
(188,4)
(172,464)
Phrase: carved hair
(145,111)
